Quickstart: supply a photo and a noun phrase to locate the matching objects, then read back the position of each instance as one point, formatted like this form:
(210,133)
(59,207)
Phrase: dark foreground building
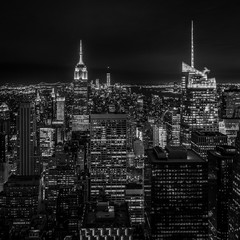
(222,211)
(176,194)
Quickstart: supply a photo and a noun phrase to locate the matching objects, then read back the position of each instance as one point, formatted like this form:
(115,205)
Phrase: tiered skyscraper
(80,121)
(199,101)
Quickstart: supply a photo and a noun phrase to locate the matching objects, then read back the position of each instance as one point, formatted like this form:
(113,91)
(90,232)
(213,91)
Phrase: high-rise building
(26,138)
(80,120)
(108,78)
(172,121)
(176,194)
(199,108)
(47,143)
(234,212)
(135,200)
(4,119)
(60,109)
(230,114)
(201,142)
(61,176)
(220,181)
(22,199)
(108,153)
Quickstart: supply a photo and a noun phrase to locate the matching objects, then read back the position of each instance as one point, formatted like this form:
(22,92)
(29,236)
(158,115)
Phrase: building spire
(80,53)
(192,47)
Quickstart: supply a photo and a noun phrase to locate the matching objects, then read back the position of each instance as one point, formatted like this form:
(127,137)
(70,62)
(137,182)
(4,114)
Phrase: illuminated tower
(199,109)
(80,121)
(108,78)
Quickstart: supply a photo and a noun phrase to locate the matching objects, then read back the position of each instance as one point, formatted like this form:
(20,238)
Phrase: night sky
(141,41)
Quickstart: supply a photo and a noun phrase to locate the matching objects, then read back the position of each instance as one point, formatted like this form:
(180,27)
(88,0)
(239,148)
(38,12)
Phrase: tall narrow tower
(80,120)
(199,110)
(108,78)
(26,134)
(192,47)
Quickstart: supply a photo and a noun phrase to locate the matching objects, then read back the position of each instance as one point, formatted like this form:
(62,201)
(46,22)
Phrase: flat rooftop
(106,215)
(208,134)
(18,180)
(108,116)
(191,156)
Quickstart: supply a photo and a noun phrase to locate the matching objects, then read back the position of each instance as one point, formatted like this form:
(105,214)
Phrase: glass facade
(199,108)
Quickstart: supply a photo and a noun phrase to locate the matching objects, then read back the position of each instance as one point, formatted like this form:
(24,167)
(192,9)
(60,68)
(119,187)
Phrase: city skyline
(140,41)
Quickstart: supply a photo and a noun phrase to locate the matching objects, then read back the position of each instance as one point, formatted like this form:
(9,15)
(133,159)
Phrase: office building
(108,78)
(135,199)
(22,199)
(80,119)
(4,119)
(61,176)
(47,143)
(172,120)
(176,194)
(234,212)
(60,116)
(199,108)
(201,142)
(108,154)
(220,178)
(26,138)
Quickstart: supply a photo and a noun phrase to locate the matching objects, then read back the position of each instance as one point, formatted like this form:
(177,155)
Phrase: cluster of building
(101,161)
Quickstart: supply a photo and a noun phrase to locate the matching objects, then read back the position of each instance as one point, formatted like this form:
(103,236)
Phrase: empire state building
(80,120)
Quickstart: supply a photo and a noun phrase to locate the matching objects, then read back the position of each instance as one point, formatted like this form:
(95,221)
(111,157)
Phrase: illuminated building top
(199,79)
(80,69)
(4,107)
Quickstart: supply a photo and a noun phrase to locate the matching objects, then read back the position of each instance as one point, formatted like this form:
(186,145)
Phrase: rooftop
(108,116)
(106,214)
(173,154)
(23,180)
(208,134)
(224,151)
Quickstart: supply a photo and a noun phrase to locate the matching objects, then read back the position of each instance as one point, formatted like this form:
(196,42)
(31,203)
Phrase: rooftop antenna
(192,48)
(80,53)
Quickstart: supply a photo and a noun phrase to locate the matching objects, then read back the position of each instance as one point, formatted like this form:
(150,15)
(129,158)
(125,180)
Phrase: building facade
(176,194)
(108,154)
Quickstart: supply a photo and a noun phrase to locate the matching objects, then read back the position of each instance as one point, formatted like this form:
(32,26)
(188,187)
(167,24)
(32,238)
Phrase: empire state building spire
(192,47)
(80,68)
(80,53)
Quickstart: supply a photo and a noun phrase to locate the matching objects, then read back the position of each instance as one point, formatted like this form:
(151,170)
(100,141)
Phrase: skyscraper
(108,78)
(230,114)
(26,138)
(201,142)
(80,121)
(176,193)
(220,181)
(234,212)
(108,153)
(199,103)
